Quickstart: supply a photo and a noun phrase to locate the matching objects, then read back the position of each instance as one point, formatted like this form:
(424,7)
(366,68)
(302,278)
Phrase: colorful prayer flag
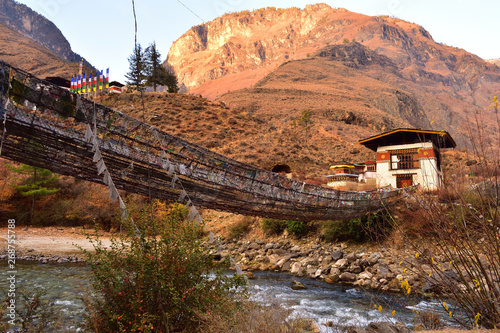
(90,82)
(84,84)
(100,81)
(95,80)
(79,88)
(107,78)
(71,86)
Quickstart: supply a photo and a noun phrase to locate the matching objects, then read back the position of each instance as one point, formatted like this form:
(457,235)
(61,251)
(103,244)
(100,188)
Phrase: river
(66,286)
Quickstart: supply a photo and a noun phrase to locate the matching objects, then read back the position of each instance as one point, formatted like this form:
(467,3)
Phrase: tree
(157,74)
(163,281)
(36,185)
(137,68)
(305,121)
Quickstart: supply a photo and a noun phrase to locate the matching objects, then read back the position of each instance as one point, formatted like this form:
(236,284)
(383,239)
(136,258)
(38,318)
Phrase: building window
(404,159)
(370,168)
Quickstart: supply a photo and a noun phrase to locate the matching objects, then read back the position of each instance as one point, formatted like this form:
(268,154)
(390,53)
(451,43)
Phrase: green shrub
(273,226)
(296,228)
(369,227)
(156,278)
(240,228)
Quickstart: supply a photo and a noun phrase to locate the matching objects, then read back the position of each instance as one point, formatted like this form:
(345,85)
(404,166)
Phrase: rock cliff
(385,71)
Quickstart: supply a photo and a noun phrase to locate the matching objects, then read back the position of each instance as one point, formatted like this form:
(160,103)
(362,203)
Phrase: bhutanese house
(407,157)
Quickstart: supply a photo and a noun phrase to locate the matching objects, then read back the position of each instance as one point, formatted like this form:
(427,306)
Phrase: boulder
(287,266)
(269,246)
(351,257)
(254,246)
(365,275)
(341,264)
(295,269)
(347,277)
(355,269)
(337,254)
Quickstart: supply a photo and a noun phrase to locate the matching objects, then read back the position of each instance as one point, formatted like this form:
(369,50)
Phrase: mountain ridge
(426,84)
(39,29)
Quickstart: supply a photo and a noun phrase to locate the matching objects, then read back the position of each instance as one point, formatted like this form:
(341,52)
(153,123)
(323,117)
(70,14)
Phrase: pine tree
(157,74)
(137,68)
(36,185)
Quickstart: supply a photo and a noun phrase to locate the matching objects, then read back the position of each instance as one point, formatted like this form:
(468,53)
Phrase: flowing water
(66,286)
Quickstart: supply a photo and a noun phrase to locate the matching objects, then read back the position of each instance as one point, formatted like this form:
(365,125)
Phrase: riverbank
(368,266)
(50,244)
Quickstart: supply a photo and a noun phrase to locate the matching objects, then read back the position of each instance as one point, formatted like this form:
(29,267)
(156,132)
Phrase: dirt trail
(51,240)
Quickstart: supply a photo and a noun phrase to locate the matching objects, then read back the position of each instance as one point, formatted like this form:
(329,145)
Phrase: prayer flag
(95,80)
(79,88)
(100,81)
(107,78)
(84,84)
(71,86)
(90,83)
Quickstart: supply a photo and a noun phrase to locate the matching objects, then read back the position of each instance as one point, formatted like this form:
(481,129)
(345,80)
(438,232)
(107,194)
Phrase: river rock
(269,246)
(348,277)
(296,285)
(254,246)
(296,266)
(351,257)
(341,264)
(355,269)
(287,266)
(326,260)
(337,254)
(332,278)
(365,275)
(280,252)
(381,327)
(374,258)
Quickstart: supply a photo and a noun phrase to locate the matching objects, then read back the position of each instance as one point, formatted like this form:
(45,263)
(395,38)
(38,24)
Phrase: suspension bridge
(47,126)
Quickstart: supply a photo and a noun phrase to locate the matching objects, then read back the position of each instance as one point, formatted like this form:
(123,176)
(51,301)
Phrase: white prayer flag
(122,204)
(183,196)
(212,237)
(171,170)
(238,269)
(88,134)
(101,167)
(97,156)
(182,169)
(174,180)
(198,219)
(107,178)
(113,192)
(192,213)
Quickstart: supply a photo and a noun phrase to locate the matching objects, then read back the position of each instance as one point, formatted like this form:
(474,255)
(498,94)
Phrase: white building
(408,157)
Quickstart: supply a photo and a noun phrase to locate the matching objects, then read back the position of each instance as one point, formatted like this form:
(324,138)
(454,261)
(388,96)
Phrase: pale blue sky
(103,31)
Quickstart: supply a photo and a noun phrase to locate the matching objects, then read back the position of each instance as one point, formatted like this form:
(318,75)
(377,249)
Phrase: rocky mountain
(32,26)
(494,61)
(381,71)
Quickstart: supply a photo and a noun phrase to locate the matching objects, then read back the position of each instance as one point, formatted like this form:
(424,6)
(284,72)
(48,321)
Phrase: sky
(103,31)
